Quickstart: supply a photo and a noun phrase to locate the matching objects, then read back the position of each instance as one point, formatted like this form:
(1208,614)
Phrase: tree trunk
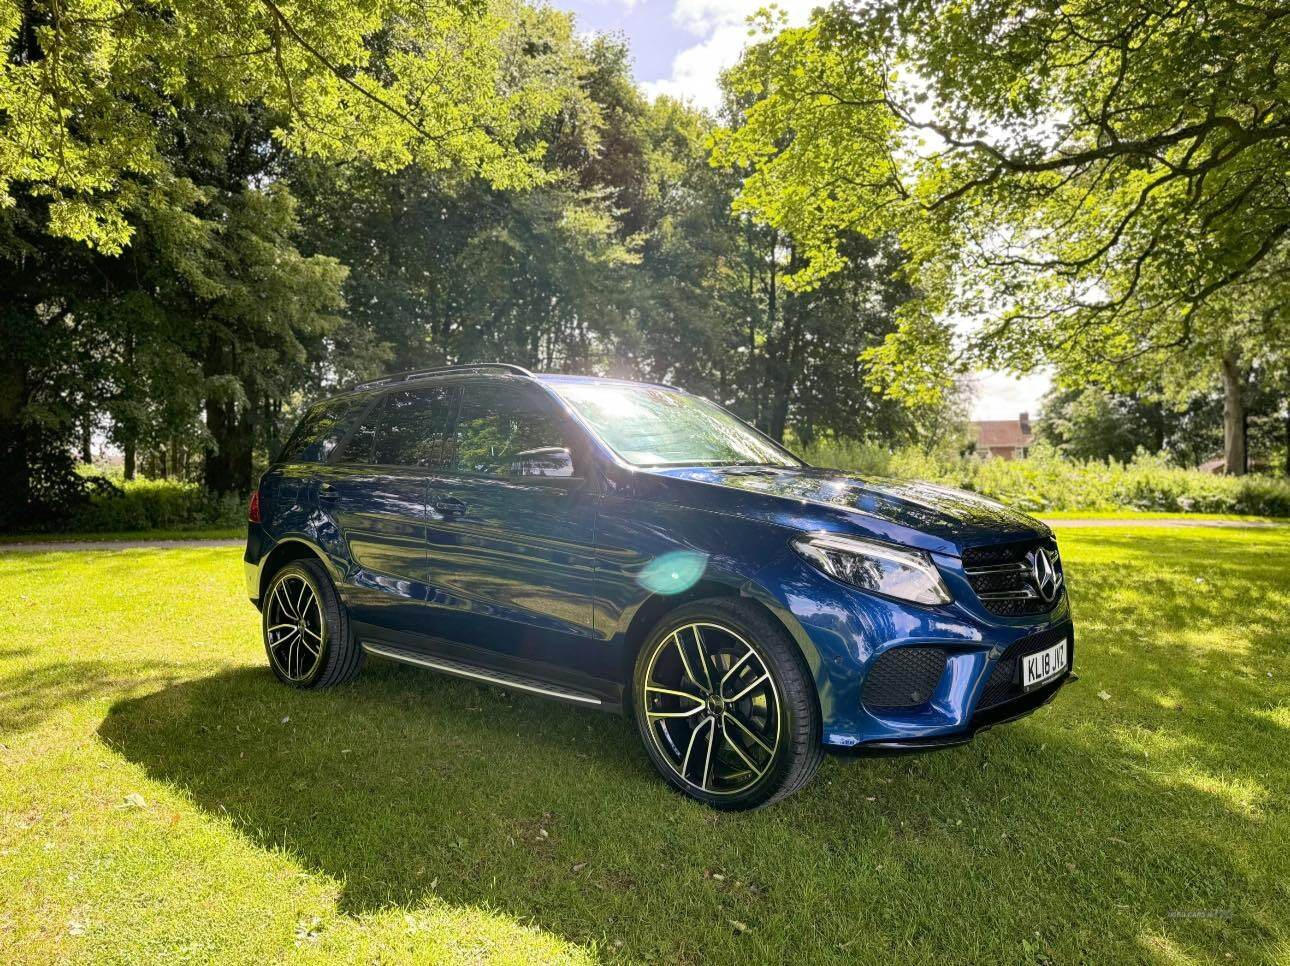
(15,467)
(229,460)
(788,360)
(128,447)
(87,432)
(1234,456)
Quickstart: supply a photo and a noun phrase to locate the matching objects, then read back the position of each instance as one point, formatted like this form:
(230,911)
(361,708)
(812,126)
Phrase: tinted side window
(361,445)
(319,431)
(413,428)
(505,431)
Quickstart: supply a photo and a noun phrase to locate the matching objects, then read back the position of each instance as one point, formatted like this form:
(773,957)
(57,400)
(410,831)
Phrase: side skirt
(489,676)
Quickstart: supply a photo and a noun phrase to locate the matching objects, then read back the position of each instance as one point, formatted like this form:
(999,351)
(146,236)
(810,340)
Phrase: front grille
(1012,580)
(1004,683)
(903,677)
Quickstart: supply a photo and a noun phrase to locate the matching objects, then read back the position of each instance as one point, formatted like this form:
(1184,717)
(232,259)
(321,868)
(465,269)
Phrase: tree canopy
(1099,186)
(88,85)
(254,262)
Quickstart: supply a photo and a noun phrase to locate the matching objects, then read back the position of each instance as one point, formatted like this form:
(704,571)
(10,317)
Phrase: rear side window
(413,428)
(320,430)
(504,431)
(361,447)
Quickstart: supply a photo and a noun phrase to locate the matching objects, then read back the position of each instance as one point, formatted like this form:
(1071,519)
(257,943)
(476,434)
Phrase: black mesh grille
(1004,683)
(904,677)
(1003,577)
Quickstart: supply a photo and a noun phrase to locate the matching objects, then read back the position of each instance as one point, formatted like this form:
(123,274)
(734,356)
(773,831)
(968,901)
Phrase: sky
(680,47)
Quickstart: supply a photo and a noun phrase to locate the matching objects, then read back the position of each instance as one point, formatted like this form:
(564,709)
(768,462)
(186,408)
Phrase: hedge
(1045,481)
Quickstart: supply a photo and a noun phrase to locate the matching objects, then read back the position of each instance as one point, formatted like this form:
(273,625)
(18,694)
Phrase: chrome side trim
(463,672)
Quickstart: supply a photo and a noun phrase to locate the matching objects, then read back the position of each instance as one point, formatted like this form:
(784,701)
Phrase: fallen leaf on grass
(307,931)
(134,800)
(76,928)
(739,926)
(1104,696)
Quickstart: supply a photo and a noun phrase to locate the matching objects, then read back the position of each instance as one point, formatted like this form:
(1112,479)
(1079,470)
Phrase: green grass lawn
(162,797)
(1152,515)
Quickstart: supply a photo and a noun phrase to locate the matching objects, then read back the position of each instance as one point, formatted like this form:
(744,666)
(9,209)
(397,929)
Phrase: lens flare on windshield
(673,573)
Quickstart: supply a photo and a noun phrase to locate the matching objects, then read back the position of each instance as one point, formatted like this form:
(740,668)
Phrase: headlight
(904,574)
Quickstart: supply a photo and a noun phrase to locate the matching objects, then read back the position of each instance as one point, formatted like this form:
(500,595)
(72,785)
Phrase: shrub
(1045,481)
(140,504)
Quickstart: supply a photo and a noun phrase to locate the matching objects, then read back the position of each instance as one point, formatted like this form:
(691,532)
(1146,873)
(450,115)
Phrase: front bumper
(981,721)
(843,632)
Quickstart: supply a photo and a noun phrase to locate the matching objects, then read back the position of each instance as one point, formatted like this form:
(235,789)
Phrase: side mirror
(548,461)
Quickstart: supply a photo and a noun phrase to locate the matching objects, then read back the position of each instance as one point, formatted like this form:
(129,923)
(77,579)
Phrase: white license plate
(1043,666)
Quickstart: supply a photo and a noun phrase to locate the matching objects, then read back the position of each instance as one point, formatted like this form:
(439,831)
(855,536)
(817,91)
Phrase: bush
(1046,481)
(117,504)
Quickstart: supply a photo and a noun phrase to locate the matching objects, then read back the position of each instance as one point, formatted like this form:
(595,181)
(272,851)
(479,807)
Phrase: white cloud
(723,28)
(1002,395)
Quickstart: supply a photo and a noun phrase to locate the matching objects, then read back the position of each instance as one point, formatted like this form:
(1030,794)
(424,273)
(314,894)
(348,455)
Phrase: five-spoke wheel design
(712,708)
(295,627)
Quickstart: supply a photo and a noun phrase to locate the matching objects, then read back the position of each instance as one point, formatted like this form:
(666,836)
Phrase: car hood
(924,515)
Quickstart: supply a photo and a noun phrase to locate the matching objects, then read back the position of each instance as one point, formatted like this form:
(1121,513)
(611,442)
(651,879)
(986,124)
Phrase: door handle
(449,506)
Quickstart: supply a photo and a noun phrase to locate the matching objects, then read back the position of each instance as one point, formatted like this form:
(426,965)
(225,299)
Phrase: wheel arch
(657,606)
(285,551)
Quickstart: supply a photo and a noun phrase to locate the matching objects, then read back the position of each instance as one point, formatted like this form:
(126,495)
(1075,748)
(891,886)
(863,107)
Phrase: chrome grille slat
(1008,568)
(1024,594)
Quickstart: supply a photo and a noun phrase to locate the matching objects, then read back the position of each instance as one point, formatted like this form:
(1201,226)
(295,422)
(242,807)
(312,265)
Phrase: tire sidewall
(782,664)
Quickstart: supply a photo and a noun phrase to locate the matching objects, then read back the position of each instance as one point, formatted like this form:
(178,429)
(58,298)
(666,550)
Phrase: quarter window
(360,448)
(320,430)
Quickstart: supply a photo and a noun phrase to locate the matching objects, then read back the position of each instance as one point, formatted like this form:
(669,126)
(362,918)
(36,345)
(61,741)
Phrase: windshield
(659,427)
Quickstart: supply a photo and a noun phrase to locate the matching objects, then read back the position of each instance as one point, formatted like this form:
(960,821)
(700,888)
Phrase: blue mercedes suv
(636,548)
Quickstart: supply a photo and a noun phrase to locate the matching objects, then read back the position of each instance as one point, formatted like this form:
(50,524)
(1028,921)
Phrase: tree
(452,269)
(1085,181)
(87,82)
(161,127)
(1089,423)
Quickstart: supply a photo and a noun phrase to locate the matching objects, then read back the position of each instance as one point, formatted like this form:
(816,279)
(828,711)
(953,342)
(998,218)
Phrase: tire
(301,608)
(748,760)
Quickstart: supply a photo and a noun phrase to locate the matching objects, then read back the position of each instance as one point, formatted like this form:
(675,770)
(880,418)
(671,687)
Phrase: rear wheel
(306,629)
(725,706)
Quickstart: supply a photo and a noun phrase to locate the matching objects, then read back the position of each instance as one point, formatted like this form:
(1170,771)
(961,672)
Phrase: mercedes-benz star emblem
(1044,575)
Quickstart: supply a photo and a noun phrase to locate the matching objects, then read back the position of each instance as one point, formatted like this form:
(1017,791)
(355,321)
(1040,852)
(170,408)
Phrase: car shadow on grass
(407,785)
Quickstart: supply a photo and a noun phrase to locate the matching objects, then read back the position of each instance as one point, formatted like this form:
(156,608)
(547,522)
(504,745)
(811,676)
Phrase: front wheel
(306,628)
(725,706)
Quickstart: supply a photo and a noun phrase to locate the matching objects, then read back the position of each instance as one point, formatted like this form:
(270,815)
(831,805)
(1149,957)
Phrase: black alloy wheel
(306,629)
(724,705)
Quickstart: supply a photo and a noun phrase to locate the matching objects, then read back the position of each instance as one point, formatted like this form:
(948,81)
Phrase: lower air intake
(904,677)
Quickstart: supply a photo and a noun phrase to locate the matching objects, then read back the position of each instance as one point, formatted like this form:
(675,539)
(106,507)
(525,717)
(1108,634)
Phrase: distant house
(1008,439)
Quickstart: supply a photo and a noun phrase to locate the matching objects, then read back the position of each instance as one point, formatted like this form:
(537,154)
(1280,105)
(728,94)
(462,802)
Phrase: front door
(511,527)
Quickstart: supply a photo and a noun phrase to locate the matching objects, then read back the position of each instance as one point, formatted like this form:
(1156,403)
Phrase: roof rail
(396,377)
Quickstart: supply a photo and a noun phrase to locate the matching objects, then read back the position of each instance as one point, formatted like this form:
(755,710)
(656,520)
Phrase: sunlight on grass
(162,797)
(1279,716)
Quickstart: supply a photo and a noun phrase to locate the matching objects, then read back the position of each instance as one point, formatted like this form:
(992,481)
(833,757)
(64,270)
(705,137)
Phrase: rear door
(374,493)
(511,525)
